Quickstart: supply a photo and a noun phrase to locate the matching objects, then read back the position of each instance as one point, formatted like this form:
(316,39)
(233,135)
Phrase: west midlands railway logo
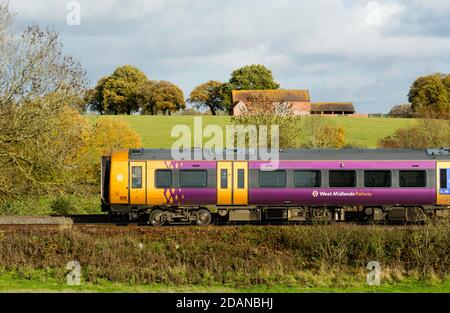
(315,193)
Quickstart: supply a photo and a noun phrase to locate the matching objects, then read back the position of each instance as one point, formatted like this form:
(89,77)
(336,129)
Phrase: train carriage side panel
(358,195)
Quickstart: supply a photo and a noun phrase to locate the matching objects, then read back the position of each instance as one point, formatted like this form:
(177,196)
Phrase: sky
(366,52)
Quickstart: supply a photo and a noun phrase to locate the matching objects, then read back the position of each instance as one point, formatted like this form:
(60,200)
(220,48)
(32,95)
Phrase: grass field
(360,131)
(38,283)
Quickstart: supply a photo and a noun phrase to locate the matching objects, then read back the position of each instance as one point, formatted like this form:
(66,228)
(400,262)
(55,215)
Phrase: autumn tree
(322,133)
(159,96)
(261,111)
(119,90)
(38,84)
(327,136)
(104,136)
(208,95)
(431,94)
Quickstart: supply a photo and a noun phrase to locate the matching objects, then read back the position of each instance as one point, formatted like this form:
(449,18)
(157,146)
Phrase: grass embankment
(243,258)
(361,132)
(45,205)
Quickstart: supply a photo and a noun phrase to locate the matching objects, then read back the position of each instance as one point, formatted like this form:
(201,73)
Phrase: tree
(250,77)
(94,97)
(39,133)
(328,136)
(430,94)
(119,90)
(261,111)
(253,77)
(105,135)
(156,96)
(208,95)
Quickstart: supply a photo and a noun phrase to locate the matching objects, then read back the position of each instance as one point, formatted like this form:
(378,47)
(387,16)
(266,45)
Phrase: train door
(443,183)
(240,183)
(137,183)
(224,182)
(232,183)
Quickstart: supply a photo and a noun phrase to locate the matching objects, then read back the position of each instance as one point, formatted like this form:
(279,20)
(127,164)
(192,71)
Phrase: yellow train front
(302,186)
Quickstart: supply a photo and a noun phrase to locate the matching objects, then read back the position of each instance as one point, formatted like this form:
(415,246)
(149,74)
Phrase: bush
(106,135)
(62,205)
(261,111)
(323,133)
(238,256)
(427,133)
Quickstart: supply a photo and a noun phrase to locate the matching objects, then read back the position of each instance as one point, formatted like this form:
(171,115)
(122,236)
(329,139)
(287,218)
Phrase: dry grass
(236,256)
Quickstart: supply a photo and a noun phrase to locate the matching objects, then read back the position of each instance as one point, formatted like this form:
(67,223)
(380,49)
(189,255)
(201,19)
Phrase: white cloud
(323,45)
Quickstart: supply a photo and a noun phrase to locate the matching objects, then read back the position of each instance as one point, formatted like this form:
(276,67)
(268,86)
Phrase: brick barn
(298,99)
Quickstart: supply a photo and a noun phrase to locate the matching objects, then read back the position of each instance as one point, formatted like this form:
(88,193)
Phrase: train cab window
(413,178)
(377,179)
(342,179)
(272,178)
(224,178)
(443,178)
(307,179)
(136,177)
(163,179)
(193,178)
(240,178)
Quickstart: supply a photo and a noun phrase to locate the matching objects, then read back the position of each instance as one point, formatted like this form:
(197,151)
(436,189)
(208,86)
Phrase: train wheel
(156,218)
(203,217)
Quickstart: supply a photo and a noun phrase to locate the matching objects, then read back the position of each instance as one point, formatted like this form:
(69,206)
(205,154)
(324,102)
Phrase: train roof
(298,154)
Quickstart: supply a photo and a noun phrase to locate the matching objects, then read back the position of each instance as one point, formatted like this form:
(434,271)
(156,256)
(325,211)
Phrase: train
(301,186)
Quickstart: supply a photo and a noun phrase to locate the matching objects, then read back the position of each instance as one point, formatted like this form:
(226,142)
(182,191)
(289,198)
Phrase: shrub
(326,136)
(427,133)
(261,111)
(62,205)
(106,135)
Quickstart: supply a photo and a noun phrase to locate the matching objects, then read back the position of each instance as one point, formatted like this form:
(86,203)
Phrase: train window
(240,178)
(136,177)
(342,179)
(413,178)
(307,179)
(272,178)
(163,179)
(377,178)
(224,178)
(443,178)
(193,178)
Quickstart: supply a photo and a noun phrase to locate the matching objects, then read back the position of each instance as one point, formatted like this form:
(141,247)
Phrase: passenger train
(302,186)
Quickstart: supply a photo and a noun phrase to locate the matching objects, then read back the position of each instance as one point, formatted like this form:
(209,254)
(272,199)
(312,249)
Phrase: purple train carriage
(302,186)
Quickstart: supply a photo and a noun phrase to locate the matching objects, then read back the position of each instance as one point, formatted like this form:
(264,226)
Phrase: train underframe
(161,215)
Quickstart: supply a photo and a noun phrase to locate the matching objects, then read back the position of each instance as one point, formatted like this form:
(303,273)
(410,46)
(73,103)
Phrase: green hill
(360,131)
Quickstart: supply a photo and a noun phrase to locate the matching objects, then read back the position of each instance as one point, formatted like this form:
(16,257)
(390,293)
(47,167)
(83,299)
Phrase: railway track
(123,220)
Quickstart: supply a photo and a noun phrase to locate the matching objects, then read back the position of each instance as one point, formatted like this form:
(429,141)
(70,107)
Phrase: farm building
(341,108)
(299,100)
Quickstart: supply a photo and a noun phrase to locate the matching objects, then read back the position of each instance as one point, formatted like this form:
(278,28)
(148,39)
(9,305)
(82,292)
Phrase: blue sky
(368,52)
